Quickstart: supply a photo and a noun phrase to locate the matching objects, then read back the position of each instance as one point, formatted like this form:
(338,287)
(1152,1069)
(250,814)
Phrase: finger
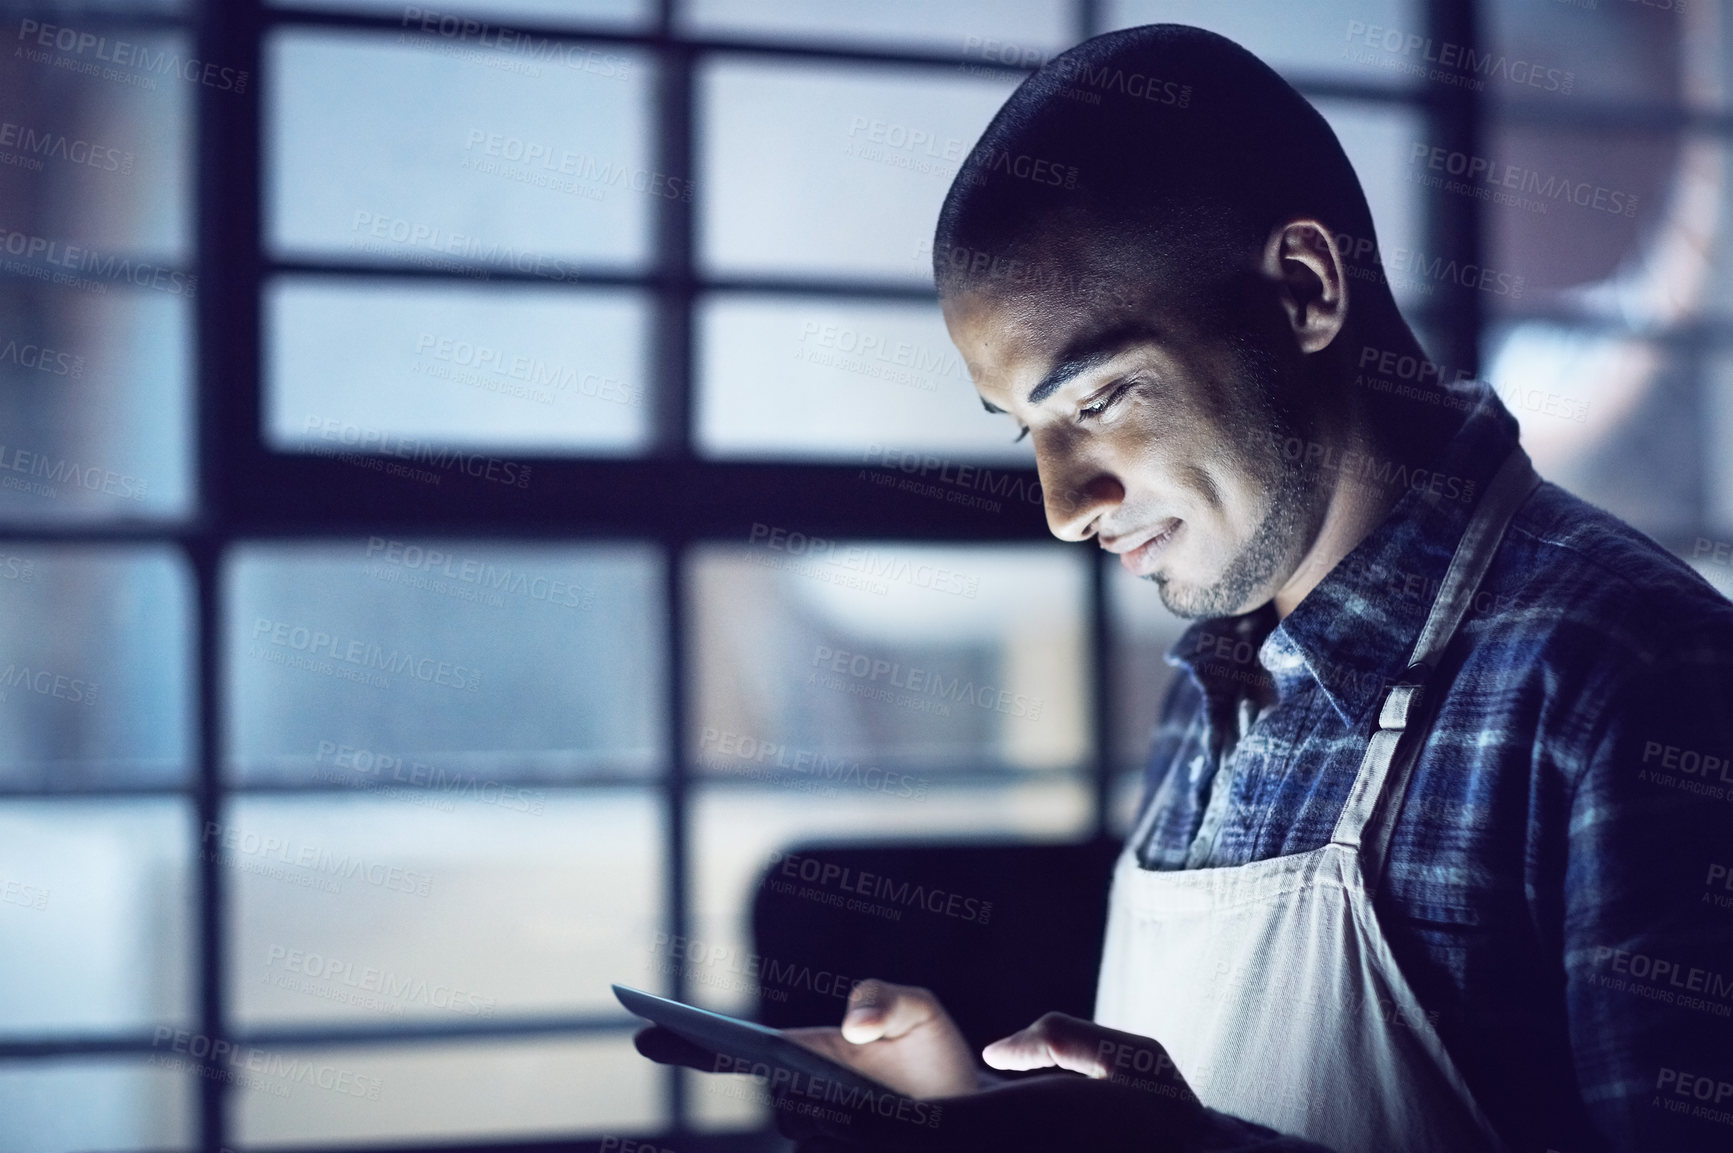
(668,1048)
(1057,1040)
(881,1011)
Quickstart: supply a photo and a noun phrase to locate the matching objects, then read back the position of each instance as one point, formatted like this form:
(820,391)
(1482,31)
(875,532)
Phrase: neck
(1367,423)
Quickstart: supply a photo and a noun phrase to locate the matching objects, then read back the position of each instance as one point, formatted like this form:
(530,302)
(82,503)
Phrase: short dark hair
(1153,157)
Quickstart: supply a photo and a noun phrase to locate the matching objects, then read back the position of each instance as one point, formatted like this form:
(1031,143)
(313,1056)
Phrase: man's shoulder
(1576,576)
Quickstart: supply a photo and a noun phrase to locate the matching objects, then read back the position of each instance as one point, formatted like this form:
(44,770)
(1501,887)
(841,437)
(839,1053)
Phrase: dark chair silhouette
(920,919)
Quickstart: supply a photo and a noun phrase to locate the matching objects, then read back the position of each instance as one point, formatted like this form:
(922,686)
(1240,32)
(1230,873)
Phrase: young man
(1429,850)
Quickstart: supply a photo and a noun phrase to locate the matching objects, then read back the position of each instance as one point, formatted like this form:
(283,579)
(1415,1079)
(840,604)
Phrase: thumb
(1057,1040)
(881,1011)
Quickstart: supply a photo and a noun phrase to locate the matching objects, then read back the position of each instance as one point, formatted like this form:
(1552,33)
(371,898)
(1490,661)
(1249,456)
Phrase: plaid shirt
(1558,888)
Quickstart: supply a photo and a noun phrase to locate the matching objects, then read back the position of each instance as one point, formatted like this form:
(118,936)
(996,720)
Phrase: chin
(1220,596)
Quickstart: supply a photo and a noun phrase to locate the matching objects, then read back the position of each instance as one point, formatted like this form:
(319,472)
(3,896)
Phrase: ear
(1311,278)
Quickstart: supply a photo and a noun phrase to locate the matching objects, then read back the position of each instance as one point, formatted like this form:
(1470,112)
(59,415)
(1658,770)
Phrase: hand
(1129,1096)
(901,1037)
(897,1035)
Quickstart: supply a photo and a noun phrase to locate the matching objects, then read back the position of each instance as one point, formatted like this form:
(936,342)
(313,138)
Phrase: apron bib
(1270,984)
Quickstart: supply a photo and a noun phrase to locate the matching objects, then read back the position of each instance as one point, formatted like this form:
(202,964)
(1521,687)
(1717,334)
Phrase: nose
(1077,498)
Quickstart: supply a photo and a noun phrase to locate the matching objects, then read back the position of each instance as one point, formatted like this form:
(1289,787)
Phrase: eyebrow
(1087,355)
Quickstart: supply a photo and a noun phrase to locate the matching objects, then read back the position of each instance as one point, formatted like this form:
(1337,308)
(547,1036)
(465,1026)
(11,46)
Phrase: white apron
(1270,984)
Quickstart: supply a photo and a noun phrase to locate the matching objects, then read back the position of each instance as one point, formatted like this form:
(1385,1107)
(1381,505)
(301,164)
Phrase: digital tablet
(743,1040)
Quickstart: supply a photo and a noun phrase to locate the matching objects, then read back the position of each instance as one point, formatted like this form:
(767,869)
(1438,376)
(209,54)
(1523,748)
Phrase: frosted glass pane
(95,666)
(439,1093)
(468,660)
(1296,39)
(791,378)
(1143,631)
(963,26)
(508,367)
(96,403)
(411,150)
(735,831)
(369,911)
(831,169)
(51,1106)
(1379,142)
(819,663)
(96,913)
(97,160)
(1718,431)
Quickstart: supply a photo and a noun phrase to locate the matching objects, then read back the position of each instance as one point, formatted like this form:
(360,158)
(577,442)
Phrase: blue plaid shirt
(1560,885)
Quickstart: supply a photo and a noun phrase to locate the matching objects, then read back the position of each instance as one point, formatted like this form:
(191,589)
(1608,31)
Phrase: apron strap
(1369,817)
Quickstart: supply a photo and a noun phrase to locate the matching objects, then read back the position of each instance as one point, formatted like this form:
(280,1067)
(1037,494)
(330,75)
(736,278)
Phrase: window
(476,483)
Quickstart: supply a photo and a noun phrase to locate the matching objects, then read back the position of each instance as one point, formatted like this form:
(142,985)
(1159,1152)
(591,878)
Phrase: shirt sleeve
(1648,909)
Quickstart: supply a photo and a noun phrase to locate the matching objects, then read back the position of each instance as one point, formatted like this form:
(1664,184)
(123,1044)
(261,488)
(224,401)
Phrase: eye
(1103,403)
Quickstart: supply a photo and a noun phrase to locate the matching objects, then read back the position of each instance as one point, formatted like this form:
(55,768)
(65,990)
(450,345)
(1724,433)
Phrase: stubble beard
(1291,519)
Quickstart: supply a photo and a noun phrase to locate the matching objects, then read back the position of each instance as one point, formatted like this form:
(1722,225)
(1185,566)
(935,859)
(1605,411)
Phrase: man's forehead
(1028,345)
(1020,334)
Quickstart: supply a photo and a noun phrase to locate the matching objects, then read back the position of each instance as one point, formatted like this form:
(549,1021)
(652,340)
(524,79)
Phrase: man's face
(1156,435)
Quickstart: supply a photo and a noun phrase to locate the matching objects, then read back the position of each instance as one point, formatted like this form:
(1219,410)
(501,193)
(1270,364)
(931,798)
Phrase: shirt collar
(1353,632)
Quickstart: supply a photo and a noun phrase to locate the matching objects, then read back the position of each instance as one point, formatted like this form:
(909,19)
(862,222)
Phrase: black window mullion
(226,390)
(671,359)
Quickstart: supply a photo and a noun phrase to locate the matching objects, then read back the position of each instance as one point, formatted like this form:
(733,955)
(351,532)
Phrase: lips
(1139,553)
